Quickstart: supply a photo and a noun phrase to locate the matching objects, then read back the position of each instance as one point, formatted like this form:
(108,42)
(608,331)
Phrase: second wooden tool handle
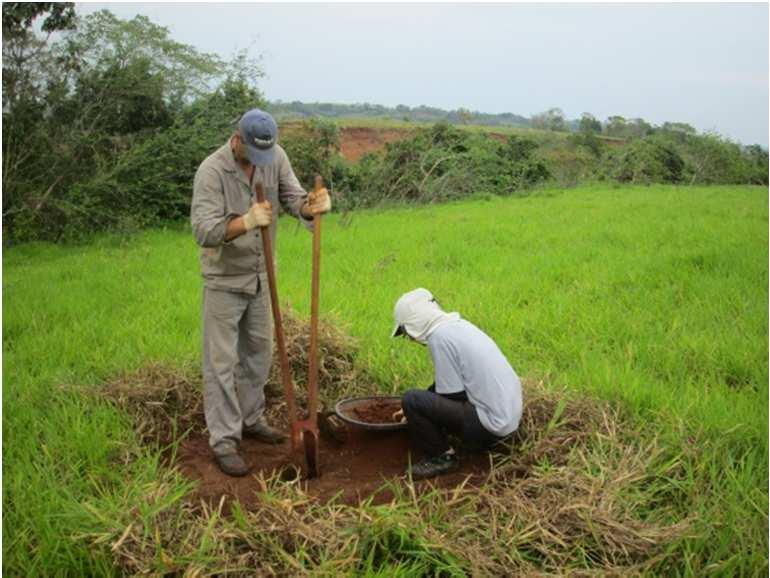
(312,380)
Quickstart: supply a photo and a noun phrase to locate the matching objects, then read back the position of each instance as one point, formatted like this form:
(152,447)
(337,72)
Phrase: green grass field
(655,299)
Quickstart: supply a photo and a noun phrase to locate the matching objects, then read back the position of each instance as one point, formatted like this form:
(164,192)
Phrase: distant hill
(552,120)
(296,109)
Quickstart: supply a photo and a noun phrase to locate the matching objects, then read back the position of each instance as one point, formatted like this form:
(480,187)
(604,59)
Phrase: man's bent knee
(413,399)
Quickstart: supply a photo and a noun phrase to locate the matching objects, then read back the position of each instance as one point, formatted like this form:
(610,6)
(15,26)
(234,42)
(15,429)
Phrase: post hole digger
(304,432)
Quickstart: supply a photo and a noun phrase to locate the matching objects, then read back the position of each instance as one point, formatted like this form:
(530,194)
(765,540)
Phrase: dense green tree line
(443,162)
(106,120)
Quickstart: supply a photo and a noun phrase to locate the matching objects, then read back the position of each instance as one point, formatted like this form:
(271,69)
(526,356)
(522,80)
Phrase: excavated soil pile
(353,469)
(378,411)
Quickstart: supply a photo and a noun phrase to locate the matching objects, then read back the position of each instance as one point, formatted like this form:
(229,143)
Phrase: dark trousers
(432,417)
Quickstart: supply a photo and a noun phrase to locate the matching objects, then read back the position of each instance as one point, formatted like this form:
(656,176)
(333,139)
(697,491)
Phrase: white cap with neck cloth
(417,314)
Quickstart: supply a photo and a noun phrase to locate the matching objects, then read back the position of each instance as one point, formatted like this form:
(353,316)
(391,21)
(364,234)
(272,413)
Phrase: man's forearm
(235,228)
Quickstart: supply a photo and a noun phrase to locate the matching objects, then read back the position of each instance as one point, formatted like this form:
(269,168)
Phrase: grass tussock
(163,402)
(575,490)
(591,480)
(336,349)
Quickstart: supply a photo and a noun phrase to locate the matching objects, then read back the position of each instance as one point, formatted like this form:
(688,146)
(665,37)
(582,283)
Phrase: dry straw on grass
(574,492)
(336,351)
(164,402)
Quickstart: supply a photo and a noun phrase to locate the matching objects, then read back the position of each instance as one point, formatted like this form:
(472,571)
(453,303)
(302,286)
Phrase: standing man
(476,394)
(237,325)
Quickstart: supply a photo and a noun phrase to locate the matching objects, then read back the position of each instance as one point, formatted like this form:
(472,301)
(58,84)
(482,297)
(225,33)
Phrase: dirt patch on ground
(351,471)
(355,142)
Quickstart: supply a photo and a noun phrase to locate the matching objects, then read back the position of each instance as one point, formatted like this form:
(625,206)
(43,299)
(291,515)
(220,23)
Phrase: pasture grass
(651,298)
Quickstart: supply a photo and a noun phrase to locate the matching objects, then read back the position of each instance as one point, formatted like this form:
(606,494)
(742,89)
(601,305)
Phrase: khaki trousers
(237,354)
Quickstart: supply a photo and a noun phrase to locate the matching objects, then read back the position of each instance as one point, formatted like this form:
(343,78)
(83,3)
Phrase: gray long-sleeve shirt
(221,192)
(466,359)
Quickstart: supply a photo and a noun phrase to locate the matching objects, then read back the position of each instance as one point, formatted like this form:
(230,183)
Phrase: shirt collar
(229,164)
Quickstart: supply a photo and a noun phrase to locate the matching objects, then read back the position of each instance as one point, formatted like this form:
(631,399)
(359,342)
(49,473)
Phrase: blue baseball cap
(258,132)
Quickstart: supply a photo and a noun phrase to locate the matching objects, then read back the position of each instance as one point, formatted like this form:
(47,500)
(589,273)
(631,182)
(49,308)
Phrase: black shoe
(264,432)
(435,466)
(232,464)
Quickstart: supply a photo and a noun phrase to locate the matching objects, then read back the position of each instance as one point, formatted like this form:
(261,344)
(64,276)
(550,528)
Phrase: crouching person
(476,395)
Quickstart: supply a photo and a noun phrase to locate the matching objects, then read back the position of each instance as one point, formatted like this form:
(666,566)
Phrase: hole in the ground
(351,471)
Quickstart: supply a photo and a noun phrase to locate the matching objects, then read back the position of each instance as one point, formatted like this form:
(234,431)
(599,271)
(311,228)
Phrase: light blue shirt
(466,359)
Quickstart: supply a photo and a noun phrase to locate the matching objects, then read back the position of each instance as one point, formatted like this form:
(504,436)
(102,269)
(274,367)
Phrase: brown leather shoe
(232,464)
(265,432)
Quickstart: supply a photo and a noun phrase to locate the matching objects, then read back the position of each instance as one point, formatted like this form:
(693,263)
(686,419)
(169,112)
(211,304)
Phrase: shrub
(712,159)
(442,163)
(313,148)
(649,160)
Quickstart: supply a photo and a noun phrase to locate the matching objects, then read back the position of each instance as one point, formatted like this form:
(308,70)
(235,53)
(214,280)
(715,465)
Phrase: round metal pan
(344,410)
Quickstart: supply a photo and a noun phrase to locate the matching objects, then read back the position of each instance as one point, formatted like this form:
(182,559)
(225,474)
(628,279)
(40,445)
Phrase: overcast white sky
(705,64)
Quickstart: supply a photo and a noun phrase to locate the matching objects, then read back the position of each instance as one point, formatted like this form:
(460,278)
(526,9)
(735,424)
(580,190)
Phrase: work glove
(319,202)
(259,215)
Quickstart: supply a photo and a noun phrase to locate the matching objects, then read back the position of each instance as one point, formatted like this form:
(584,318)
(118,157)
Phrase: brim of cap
(260,157)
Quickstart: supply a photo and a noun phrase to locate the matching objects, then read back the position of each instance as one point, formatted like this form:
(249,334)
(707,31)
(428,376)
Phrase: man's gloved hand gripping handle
(259,215)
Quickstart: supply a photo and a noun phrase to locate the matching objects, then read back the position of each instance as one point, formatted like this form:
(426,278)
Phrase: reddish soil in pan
(354,469)
(378,411)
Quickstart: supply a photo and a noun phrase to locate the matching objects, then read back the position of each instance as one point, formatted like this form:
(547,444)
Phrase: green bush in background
(693,159)
(314,150)
(436,164)
(442,163)
(105,125)
(644,161)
